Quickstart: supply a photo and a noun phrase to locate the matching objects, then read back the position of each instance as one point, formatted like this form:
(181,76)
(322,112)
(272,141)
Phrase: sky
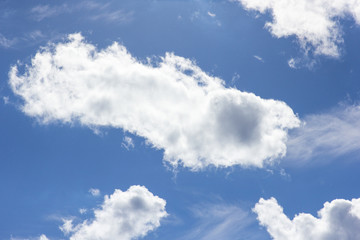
(181,120)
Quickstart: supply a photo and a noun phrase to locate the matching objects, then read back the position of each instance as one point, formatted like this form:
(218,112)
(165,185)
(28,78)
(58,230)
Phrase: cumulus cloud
(328,134)
(314,23)
(123,215)
(339,219)
(172,103)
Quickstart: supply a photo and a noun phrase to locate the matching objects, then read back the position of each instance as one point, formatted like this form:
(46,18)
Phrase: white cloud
(128,143)
(5,42)
(258,58)
(123,215)
(221,221)
(339,219)
(328,134)
(292,63)
(173,104)
(98,11)
(82,210)
(94,191)
(41,12)
(43,237)
(314,23)
(114,16)
(211,14)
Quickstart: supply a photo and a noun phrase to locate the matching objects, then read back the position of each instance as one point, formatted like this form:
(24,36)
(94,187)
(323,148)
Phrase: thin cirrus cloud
(314,23)
(95,11)
(172,103)
(221,221)
(123,215)
(329,134)
(338,219)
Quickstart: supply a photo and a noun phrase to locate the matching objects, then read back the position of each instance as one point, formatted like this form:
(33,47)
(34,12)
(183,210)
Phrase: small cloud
(82,210)
(292,63)
(6,100)
(40,12)
(259,58)
(235,78)
(5,42)
(211,14)
(284,174)
(119,16)
(127,143)
(67,226)
(195,15)
(94,191)
(123,215)
(34,35)
(43,237)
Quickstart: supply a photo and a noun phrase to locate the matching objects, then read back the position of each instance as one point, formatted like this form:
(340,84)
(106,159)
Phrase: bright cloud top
(339,219)
(123,215)
(174,105)
(329,134)
(314,23)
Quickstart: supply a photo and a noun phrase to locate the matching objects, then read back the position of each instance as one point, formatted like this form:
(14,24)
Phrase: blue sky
(179,120)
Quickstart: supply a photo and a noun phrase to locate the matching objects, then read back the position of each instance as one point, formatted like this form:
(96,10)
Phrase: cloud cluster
(329,134)
(123,215)
(314,23)
(339,219)
(172,103)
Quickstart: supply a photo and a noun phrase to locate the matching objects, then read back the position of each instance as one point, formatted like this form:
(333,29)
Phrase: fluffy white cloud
(339,219)
(172,103)
(123,215)
(329,134)
(314,23)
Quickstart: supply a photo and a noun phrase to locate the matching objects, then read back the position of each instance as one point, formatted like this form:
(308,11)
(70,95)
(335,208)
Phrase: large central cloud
(173,104)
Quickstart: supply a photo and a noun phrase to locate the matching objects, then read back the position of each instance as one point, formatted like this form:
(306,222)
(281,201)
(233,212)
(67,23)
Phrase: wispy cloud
(41,12)
(119,16)
(258,58)
(96,11)
(127,143)
(6,42)
(221,221)
(326,135)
